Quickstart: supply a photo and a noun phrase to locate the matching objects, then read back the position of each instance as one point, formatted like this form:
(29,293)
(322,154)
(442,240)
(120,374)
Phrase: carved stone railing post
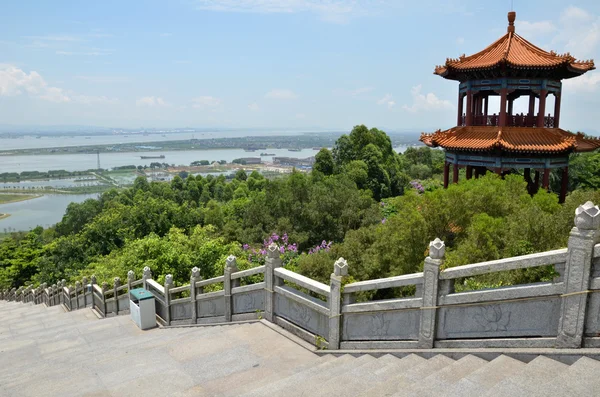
(45,293)
(116,285)
(580,253)
(55,295)
(77,288)
(104,291)
(84,286)
(146,275)
(93,282)
(130,280)
(168,285)
(431,272)
(230,267)
(63,284)
(340,270)
(193,280)
(272,262)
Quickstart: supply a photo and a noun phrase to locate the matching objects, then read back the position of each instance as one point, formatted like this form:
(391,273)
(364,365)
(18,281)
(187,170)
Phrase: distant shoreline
(15,198)
(3,216)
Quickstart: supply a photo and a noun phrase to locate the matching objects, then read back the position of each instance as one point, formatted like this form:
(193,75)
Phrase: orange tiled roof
(510,139)
(513,50)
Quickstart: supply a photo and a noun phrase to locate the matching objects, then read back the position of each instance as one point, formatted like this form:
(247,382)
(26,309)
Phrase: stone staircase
(46,351)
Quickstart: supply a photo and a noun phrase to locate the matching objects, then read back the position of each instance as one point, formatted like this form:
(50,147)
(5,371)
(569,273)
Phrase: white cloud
(14,81)
(93,52)
(579,32)
(254,107)
(92,100)
(206,102)
(425,101)
(531,30)
(585,83)
(387,100)
(281,94)
(151,101)
(460,40)
(54,38)
(329,10)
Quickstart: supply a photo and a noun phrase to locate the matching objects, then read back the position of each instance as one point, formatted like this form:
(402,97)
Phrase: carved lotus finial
(587,216)
(273,250)
(147,272)
(195,272)
(104,286)
(77,284)
(340,267)
(93,279)
(169,280)
(437,249)
(117,281)
(84,281)
(131,275)
(230,262)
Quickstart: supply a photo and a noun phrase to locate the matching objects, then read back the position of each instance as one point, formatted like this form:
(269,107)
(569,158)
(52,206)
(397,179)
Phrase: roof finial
(511,21)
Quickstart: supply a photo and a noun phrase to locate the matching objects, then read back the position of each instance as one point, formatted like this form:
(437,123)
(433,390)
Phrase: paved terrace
(46,351)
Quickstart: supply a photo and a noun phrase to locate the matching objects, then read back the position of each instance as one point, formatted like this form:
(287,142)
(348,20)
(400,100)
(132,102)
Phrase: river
(43,211)
(82,162)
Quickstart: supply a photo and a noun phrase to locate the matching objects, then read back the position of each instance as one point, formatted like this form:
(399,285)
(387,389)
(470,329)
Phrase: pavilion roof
(513,51)
(510,139)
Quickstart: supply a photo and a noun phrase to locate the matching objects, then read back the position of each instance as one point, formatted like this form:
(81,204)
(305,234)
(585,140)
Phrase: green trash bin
(141,308)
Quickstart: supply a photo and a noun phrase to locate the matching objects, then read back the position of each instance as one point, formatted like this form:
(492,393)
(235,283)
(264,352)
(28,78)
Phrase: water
(82,162)
(33,142)
(43,211)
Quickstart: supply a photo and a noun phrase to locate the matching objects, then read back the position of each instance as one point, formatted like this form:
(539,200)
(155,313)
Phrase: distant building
(294,162)
(248,160)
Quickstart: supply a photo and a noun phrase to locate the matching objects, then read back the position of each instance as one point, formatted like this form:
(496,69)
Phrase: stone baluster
(63,284)
(431,272)
(193,280)
(580,253)
(130,280)
(146,275)
(105,305)
(84,287)
(93,282)
(116,285)
(230,267)
(340,270)
(55,296)
(272,262)
(168,285)
(77,288)
(45,293)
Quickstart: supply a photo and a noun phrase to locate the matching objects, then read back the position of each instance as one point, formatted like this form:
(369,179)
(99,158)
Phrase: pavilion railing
(517,120)
(429,309)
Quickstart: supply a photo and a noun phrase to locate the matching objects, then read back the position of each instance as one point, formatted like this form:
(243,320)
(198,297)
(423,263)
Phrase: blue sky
(309,64)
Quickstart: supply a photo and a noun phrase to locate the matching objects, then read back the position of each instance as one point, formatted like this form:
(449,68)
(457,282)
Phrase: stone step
(356,380)
(299,379)
(578,379)
(416,369)
(541,369)
(316,381)
(438,382)
(486,377)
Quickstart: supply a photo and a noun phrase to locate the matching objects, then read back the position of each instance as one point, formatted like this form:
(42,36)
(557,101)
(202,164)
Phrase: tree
(324,162)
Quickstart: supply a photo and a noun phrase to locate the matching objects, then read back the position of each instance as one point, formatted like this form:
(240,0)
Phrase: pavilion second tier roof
(510,139)
(512,51)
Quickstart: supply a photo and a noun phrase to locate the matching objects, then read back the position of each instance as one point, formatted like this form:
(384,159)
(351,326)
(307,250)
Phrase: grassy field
(12,198)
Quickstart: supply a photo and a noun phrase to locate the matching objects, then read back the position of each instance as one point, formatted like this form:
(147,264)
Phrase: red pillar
(469,172)
(455,173)
(469,110)
(446,172)
(459,120)
(503,94)
(498,171)
(542,110)
(485,111)
(531,105)
(556,109)
(564,185)
(546,178)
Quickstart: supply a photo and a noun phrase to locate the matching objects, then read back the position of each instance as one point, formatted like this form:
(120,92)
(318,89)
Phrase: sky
(287,64)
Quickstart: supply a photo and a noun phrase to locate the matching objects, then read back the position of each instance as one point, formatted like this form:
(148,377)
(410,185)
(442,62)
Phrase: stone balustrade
(562,313)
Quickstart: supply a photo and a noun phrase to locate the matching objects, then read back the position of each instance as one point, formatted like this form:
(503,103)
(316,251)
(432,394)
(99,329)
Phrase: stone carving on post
(146,275)
(228,284)
(116,285)
(130,280)
(54,294)
(168,285)
(77,288)
(272,262)
(340,270)
(580,253)
(431,272)
(84,283)
(63,284)
(193,280)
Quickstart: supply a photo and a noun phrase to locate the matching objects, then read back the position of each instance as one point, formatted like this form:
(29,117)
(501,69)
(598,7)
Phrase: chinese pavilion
(510,68)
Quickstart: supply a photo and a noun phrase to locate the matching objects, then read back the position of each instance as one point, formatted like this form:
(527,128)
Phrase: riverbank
(2,216)
(14,198)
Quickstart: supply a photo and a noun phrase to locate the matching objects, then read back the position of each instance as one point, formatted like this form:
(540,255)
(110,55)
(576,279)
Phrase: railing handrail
(303,281)
(382,283)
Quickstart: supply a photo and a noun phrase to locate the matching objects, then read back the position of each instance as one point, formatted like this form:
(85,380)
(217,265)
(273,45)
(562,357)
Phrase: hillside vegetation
(362,201)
